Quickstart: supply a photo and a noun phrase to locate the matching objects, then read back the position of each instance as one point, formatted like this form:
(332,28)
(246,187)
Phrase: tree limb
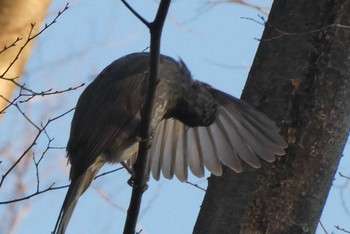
(140,180)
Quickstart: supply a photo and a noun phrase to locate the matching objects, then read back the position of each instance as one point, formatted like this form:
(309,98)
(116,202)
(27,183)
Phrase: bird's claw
(132,184)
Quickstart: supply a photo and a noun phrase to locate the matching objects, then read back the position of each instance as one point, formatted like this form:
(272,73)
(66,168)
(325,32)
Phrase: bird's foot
(132,183)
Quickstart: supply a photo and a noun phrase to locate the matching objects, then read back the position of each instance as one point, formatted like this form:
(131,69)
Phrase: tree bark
(300,78)
(16,17)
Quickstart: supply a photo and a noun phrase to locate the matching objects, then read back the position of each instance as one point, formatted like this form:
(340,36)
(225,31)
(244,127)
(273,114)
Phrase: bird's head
(197,107)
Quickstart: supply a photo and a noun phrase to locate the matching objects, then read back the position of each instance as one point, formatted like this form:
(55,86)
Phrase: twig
(40,131)
(281,33)
(36,163)
(13,44)
(323,228)
(107,198)
(196,185)
(30,38)
(244,3)
(344,176)
(33,94)
(342,229)
(140,180)
(26,117)
(136,13)
(108,172)
(50,188)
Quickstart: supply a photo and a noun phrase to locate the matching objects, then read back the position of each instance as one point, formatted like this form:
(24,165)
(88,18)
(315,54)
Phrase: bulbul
(193,126)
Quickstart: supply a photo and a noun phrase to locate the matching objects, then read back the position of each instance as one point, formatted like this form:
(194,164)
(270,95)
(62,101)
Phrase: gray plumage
(194,126)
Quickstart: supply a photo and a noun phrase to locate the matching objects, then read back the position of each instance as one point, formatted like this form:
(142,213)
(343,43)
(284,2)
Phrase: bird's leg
(128,168)
(131,181)
(131,172)
(150,138)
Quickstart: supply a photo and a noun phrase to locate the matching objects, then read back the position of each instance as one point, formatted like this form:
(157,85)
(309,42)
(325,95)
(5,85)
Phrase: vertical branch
(140,180)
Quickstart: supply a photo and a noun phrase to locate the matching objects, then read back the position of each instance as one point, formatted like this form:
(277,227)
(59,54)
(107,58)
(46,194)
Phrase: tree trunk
(300,78)
(16,17)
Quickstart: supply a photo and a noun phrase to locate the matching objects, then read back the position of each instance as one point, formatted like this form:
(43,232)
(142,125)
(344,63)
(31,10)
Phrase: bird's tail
(76,189)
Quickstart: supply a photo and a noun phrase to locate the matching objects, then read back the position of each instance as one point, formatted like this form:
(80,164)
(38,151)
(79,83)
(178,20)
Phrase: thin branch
(196,185)
(344,176)
(26,117)
(36,163)
(32,37)
(143,20)
(108,172)
(262,22)
(281,33)
(48,92)
(107,198)
(323,228)
(10,103)
(13,44)
(40,131)
(244,3)
(51,188)
(342,229)
(140,181)
(31,94)
(37,174)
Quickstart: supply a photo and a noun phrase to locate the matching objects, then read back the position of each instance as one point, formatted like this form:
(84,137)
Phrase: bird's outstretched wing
(239,132)
(105,114)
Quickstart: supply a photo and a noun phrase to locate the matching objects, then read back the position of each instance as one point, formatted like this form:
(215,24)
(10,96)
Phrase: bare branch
(323,228)
(342,229)
(47,92)
(11,45)
(30,93)
(282,33)
(51,187)
(108,172)
(30,38)
(40,131)
(196,185)
(242,2)
(344,176)
(145,22)
(140,181)
(26,117)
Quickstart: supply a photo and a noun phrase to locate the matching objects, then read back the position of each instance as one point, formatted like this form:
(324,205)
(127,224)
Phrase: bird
(194,126)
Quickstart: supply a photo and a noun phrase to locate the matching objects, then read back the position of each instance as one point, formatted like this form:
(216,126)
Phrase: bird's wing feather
(239,132)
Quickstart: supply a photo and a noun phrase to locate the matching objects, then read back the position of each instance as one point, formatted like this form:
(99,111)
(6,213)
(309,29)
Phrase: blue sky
(218,46)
